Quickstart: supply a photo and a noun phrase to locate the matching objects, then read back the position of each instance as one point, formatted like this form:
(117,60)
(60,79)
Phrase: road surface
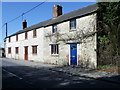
(15,75)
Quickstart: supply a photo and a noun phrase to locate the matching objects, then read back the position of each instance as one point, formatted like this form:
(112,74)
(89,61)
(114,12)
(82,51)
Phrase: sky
(11,10)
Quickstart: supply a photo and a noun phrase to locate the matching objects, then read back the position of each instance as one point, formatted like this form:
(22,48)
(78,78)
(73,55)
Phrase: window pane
(54,49)
(9,39)
(57,49)
(34,33)
(54,28)
(51,49)
(9,50)
(25,35)
(16,37)
(73,24)
(16,50)
(34,49)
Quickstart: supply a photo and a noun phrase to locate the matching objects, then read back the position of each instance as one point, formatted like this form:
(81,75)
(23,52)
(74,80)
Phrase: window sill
(54,33)
(54,54)
(72,30)
(34,36)
(34,54)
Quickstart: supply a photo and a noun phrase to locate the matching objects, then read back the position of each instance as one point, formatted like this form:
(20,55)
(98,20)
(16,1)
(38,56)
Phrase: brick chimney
(57,11)
(24,24)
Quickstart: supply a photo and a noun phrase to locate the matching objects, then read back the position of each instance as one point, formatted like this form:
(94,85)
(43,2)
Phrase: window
(9,50)
(73,24)
(17,37)
(54,28)
(34,49)
(16,50)
(9,39)
(34,33)
(26,36)
(54,49)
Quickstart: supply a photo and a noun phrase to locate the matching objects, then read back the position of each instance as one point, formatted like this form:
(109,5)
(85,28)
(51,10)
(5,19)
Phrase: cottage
(66,39)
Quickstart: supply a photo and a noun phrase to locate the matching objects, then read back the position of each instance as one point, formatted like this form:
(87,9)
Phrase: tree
(109,28)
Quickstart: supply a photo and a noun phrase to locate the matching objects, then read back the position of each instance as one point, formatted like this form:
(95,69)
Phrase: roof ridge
(63,14)
(79,9)
(82,11)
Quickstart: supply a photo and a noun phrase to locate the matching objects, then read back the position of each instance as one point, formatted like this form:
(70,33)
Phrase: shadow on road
(42,77)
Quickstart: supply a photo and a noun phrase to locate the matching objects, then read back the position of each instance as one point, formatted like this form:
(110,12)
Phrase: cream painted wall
(86,49)
(22,42)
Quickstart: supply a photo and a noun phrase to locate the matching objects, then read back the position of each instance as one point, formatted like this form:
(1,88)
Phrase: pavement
(24,63)
(88,73)
(75,71)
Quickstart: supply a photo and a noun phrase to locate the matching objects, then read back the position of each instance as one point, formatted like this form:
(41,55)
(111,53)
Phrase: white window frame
(73,24)
(54,49)
(34,49)
(54,28)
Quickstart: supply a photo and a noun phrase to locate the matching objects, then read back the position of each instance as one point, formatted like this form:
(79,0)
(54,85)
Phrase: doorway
(73,54)
(26,52)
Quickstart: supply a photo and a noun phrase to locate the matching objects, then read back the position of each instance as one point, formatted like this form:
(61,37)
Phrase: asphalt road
(21,76)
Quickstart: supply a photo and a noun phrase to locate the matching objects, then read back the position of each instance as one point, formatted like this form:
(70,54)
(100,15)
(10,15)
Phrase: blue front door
(73,54)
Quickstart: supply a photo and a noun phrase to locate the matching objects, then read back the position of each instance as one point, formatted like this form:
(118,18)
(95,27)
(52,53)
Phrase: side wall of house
(86,49)
(22,42)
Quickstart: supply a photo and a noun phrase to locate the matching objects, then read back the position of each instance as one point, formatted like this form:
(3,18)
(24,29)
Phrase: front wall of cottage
(86,50)
(22,42)
(49,39)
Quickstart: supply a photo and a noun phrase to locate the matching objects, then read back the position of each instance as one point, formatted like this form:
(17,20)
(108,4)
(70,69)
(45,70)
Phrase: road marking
(12,74)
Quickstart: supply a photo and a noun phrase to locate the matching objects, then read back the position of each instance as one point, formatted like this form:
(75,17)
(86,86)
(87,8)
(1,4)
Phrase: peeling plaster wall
(87,56)
(86,49)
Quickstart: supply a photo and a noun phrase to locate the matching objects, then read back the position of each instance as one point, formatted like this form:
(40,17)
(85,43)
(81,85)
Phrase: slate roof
(74,14)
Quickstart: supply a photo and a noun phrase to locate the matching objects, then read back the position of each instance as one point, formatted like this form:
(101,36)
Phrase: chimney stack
(57,11)
(24,24)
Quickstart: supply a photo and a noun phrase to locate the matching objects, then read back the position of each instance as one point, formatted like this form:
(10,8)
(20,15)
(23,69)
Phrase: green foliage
(104,66)
(109,32)
(104,39)
(109,12)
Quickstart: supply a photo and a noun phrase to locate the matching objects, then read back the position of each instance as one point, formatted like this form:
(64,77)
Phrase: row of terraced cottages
(66,39)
